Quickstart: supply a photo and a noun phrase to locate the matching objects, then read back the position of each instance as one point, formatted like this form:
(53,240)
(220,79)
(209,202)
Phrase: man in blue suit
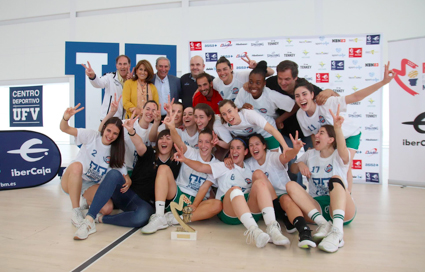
(167,85)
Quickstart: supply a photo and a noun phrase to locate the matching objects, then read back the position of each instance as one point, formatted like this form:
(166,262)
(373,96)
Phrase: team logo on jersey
(248,180)
(329,168)
(235,90)
(262,110)
(107,159)
(248,130)
(196,146)
(322,119)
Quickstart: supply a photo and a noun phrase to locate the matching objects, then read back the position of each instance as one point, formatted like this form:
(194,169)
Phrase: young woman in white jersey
(172,107)
(190,133)
(143,127)
(326,168)
(193,184)
(273,167)
(243,123)
(229,83)
(136,203)
(312,116)
(206,119)
(260,98)
(100,153)
(241,203)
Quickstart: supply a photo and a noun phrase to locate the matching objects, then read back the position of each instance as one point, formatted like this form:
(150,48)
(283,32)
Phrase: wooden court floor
(36,235)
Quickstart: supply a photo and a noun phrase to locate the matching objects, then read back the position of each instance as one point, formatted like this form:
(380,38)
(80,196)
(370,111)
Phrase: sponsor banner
(407,114)
(29,159)
(343,63)
(26,106)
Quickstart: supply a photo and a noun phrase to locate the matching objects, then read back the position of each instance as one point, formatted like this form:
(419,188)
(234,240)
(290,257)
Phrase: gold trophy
(183,232)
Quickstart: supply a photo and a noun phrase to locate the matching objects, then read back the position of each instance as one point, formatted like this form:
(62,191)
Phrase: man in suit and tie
(167,85)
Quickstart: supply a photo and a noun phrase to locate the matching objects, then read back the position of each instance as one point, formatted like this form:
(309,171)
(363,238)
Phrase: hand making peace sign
(251,63)
(89,71)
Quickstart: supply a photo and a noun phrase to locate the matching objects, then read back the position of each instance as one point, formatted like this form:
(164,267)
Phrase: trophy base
(182,235)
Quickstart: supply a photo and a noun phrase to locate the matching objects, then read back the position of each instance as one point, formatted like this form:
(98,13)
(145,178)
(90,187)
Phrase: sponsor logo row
(368,40)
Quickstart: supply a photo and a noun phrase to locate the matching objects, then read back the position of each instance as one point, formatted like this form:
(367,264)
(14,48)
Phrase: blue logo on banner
(373,39)
(26,106)
(372,177)
(210,57)
(337,65)
(29,159)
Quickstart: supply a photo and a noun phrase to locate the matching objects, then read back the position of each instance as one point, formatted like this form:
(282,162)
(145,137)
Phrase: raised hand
(115,103)
(251,63)
(215,139)
(296,143)
(129,123)
(338,120)
(71,111)
(168,107)
(388,74)
(157,115)
(89,71)
(179,154)
(130,73)
(169,120)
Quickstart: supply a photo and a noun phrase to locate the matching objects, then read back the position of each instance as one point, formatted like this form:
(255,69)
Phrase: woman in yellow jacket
(139,89)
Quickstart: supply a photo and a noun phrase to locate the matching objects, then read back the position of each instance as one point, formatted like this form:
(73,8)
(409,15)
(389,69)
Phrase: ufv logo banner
(102,59)
(28,159)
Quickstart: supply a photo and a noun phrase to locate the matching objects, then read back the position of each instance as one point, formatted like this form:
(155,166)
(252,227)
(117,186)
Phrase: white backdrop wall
(33,33)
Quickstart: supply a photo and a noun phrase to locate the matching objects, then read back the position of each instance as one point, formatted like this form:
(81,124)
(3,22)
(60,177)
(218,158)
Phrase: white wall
(34,32)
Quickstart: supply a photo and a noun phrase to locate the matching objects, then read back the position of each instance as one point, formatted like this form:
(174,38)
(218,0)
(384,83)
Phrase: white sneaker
(85,230)
(254,233)
(322,231)
(171,220)
(76,217)
(333,241)
(276,236)
(156,222)
(83,203)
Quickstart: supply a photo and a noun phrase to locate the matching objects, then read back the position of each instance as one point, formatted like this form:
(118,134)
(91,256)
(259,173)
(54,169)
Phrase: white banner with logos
(407,112)
(344,63)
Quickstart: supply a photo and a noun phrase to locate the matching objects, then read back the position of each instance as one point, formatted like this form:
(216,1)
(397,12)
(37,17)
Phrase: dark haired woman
(228,83)
(326,168)
(140,89)
(100,153)
(243,123)
(260,98)
(312,116)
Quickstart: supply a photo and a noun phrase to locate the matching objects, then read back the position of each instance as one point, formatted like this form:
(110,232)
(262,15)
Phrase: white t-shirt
(322,169)
(226,178)
(189,180)
(267,103)
(274,170)
(311,124)
(130,149)
(251,122)
(221,130)
(93,155)
(188,140)
(231,91)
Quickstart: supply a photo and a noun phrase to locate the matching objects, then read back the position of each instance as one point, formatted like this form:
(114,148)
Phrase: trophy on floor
(183,232)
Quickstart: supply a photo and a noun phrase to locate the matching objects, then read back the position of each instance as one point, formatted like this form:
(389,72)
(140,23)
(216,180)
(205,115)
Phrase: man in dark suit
(167,85)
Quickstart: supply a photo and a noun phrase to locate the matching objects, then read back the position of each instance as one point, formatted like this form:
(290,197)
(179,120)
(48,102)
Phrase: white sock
(159,207)
(317,217)
(247,220)
(268,215)
(338,220)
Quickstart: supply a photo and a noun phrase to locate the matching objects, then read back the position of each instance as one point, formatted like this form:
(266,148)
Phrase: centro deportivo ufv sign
(28,159)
